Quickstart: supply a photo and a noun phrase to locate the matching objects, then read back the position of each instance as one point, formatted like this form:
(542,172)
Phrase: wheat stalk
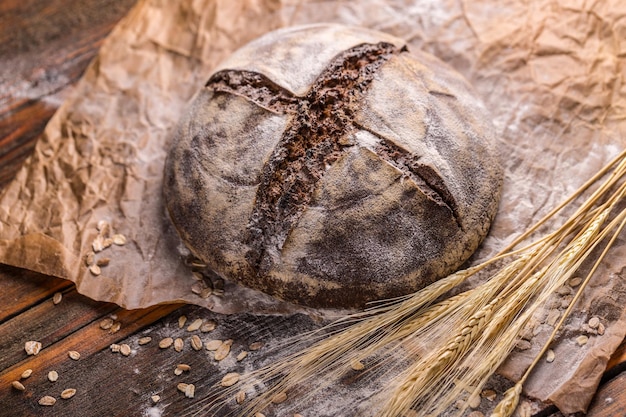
(455,344)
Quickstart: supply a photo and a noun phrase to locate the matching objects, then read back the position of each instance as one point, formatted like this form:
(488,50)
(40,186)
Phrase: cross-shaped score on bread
(321,127)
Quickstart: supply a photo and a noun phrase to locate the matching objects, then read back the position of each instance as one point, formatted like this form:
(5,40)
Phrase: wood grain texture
(44,48)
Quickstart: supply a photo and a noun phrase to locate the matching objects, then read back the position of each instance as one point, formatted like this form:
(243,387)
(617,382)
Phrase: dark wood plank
(86,340)
(44,48)
(48,324)
(610,400)
(23,289)
(111,384)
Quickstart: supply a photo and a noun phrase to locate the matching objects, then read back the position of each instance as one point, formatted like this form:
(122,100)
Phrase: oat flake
(106,324)
(179,344)
(165,343)
(279,398)
(18,385)
(47,401)
(32,347)
(230,379)
(196,342)
(208,326)
(195,325)
(68,393)
(213,344)
(125,349)
(144,340)
(56,298)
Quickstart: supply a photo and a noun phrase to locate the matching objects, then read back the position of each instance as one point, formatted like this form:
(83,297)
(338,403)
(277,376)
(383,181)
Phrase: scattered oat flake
(178,371)
(474,413)
(594,322)
(256,345)
(188,389)
(103,261)
(107,243)
(53,376)
(195,325)
(115,327)
(179,344)
(89,258)
(222,352)
(56,298)
(196,342)
(102,225)
(32,347)
(564,290)
(550,356)
(242,355)
(196,288)
(553,316)
(489,394)
(125,349)
(144,340)
(575,281)
(119,239)
(259,415)
(106,324)
(240,397)
(115,348)
(18,385)
(208,326)
(68,393)
(601,329)
(582,340)
(279,398)
(155,398)
(181,321)
(26,373)
(523,345)
(184,367)
(165,343)
(95,270)
(230,379)
(206,292)
(213,344)
(98,244)
(73,355)
(357,365)
(47,400)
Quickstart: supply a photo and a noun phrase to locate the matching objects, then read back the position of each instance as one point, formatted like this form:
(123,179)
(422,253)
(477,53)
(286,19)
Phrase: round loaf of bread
(331,166)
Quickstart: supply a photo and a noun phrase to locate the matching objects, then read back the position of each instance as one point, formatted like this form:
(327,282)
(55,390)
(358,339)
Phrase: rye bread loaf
(331,166)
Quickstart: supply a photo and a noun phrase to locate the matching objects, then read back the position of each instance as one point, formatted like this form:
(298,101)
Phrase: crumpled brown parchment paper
(551,73)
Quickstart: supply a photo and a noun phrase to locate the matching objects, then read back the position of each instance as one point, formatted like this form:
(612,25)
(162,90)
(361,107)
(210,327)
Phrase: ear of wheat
(451,346)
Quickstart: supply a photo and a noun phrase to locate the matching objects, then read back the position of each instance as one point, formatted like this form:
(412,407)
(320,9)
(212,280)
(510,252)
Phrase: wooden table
(44,49)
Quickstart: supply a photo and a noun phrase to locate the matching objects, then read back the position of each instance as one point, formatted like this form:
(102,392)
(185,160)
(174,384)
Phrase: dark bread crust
(326,198)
